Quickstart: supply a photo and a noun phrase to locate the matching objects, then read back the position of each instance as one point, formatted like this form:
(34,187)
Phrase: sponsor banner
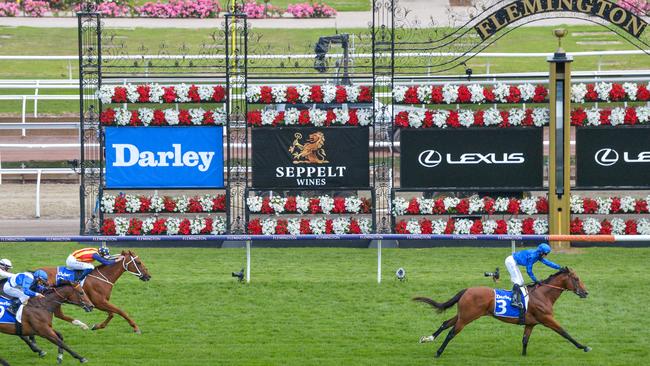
(478,158)
(310,157)
(164,157)
(613,157)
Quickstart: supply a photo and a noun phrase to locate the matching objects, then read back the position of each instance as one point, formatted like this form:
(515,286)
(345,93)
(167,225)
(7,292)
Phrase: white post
(248,261)
(512,242)
(36,100)
(38,193)
(378,261)
(0,168)
(24,108)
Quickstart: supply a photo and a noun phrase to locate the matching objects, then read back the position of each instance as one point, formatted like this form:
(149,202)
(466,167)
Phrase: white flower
(122,117)
(182,203)
(317,117)
(277,204)
(591,226)
(416,118)
(171,116)
(466,117)
(365,224)
(576,204)
(463,226)
(399,206)
(450,202)
(618,226)
(329,93)
(426,205)
(205,92)
(219,225)
(196,225)
(342,116)
(364,116)
(501,92)
(440,118)
(182,92)
(492,117)
(293,226)
(578,92)
(121,226)
(155,93)
(105,93)
(449,93)
(340,225)
(413,227)
(603,90)
(254,203)
(302,204)
(157,203)
(501,204)
(268,226)
(529,205)
(268,116)
(291,116)
(514,227)
(541,116)
(352,204)
(173,224)
(593,116)
(132,93)
(279,94)
(438,226)
(253,93)
(132,203)
(108,203)
(147,225)
(196,115)
(627,204)
(326,204)
(617,117)
(146,115)
(477,93)
(219,116)
(630,90)
(540,226)
(604,205)
(399,93)
(317,226)
(489,226)
(476,204)
(424,93)
(527,92)
(352,93)
(516,116)
(643,114)
(304,91)
(643,227)
(206,202)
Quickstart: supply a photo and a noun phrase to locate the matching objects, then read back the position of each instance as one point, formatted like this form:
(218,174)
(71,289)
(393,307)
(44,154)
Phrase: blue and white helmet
(40,275)
(544,248)
(103,251)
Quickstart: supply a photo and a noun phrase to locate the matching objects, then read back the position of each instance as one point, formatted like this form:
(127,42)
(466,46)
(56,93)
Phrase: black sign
(477,158)
(613,157)
(310,157)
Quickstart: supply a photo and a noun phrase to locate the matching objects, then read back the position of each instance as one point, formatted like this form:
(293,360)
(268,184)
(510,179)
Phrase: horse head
(573,283)
(132,264)
(73,293)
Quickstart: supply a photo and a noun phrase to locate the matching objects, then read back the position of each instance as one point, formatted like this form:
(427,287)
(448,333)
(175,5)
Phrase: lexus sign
(613,157)
(479,158)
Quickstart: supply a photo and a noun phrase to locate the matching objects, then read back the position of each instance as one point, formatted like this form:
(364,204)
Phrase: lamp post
(559,187)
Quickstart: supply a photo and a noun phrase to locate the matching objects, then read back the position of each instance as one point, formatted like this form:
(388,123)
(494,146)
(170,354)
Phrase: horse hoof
(42,354)
(425,339)
(59,359)
(137,331)
(94,327)
(587,349)
(83,360)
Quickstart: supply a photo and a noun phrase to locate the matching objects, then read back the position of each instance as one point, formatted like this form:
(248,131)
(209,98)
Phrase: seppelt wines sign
(604,9)
(477,158)
(286,157)
(613,157)
(164,157)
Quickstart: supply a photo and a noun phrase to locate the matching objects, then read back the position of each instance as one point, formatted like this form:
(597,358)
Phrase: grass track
(324,307)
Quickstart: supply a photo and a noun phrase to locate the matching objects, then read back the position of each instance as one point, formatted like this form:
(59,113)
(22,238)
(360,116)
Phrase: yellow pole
(233,32)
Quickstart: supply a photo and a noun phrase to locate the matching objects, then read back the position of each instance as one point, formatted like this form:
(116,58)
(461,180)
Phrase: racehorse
(99,285)
(37,318)
(475,302)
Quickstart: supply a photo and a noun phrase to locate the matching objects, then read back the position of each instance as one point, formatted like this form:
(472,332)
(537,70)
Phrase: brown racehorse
(99,285)
(475,302)
(37,317)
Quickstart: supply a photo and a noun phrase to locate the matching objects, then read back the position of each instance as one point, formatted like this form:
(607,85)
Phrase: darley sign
(604,9)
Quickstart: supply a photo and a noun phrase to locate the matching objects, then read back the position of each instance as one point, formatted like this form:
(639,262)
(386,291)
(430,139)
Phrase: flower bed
(610,116)
(469,206)
(164,226)
(309,205)
(310,117)
(318,226)
(154,93)
(609,92)
(614,226)
(162,117)
(609,205)
(474,93)
(513,226)
(9,9)
(494,117)
(307,10)
(327,93)
(126,203)
(180,9)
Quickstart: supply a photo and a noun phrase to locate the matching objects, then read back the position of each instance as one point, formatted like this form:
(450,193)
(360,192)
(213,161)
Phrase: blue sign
(164,157)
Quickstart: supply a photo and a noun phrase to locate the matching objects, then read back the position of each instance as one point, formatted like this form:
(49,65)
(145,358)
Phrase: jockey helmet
(103,251)
(544,248)
(40,275)
(5,263)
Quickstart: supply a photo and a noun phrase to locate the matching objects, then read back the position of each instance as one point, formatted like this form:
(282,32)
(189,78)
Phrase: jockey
(82,259)
(526,258)
(23,286)
(5,267)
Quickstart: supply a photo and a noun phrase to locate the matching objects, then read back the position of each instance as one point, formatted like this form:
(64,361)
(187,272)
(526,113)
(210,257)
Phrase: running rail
(575,238)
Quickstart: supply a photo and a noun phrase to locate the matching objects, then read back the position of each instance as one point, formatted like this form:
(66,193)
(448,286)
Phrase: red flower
(488,203)
(158,118)
(254,227)
(279,119)
(316,94)
(169,94)
(591,95)
(478,118)
(513,206)
(107,117)
(218,94)
(540,94)
(641,206)
(604,116)
(436,94)
(542,205)
(449,229)
(428,119)
(208,118)
(642,93)
(169,204)
(504,116)
(339,205)
(145,204)
(354,227)
(194,205)
(266,206)
(477,227)
(108,227)
(341,94)
(514,96)
(605,228)
(589,205)
(184,227)
(281,227)
(193,94)
(452,119)
(630,227)
(400,228)
(292,95)
(265,95)
(314,205)
(488,94)
(578,117)
(439,206)
(120,204)
(135,119)
(528,118)
(143,93)
(159,227)
(616,205)
(304,119)
(305,227)
(630,116)
(353,120)
(184,117)
(119,96)
(329,117)
(254,118)
(365,94)
(329,226)
(527,226)
(207,229)
(576,226)
(290,205)
(414,207)
(502,227)
(426,226)
(219,203)
(135,227)
(464,95)
(617,92)
(402,119)
(463,207)
(411,95)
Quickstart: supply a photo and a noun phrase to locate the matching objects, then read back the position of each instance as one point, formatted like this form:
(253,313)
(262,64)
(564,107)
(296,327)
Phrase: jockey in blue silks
(23,286)
(526,258)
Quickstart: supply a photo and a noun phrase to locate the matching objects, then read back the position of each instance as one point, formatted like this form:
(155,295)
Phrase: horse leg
(551,323)
(59,356)
(524,341)
(59,314)
(110,309)
(452,333)
(445,325)
(103,324)
(52,336)
(32,345)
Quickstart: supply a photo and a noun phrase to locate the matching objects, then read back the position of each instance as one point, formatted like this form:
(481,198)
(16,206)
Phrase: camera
(239,275)
(495,275)
(401,274)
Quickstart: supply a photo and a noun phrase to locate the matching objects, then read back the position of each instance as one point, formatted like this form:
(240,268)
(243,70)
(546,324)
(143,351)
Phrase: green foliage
(324,307)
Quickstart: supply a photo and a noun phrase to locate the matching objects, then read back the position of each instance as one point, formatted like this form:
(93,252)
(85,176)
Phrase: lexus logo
(430,158)
(606,157)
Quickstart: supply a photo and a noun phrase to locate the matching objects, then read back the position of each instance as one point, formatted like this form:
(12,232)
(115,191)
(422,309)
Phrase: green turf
(324,307)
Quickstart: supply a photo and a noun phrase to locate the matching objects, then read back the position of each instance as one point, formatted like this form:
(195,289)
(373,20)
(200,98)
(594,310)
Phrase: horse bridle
(81,304)
(125,265)
(575,286)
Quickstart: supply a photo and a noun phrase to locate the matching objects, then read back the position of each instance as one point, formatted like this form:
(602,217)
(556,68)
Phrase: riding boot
(80,274)
(15,305)
(516,297)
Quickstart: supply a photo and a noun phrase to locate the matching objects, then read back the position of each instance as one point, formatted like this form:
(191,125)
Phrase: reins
(125,266)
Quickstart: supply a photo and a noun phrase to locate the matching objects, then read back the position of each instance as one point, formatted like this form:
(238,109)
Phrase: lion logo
(311,152)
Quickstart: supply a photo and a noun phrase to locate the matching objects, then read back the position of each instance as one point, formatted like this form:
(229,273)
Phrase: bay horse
(37,318)
(99,285)
(475,302)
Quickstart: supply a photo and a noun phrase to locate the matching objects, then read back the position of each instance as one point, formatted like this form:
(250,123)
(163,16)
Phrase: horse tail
(440,307)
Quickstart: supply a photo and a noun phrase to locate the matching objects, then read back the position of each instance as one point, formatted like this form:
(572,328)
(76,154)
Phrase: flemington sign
(622,18)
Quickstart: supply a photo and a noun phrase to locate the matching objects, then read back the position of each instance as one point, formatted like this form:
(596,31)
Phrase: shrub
(9,9)
(35,8)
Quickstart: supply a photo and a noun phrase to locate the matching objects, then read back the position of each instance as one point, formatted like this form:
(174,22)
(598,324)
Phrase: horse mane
(563,270)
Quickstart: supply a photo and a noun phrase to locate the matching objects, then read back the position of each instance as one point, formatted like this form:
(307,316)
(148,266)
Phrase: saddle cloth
(5,316)
(503,303)
(65,275)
